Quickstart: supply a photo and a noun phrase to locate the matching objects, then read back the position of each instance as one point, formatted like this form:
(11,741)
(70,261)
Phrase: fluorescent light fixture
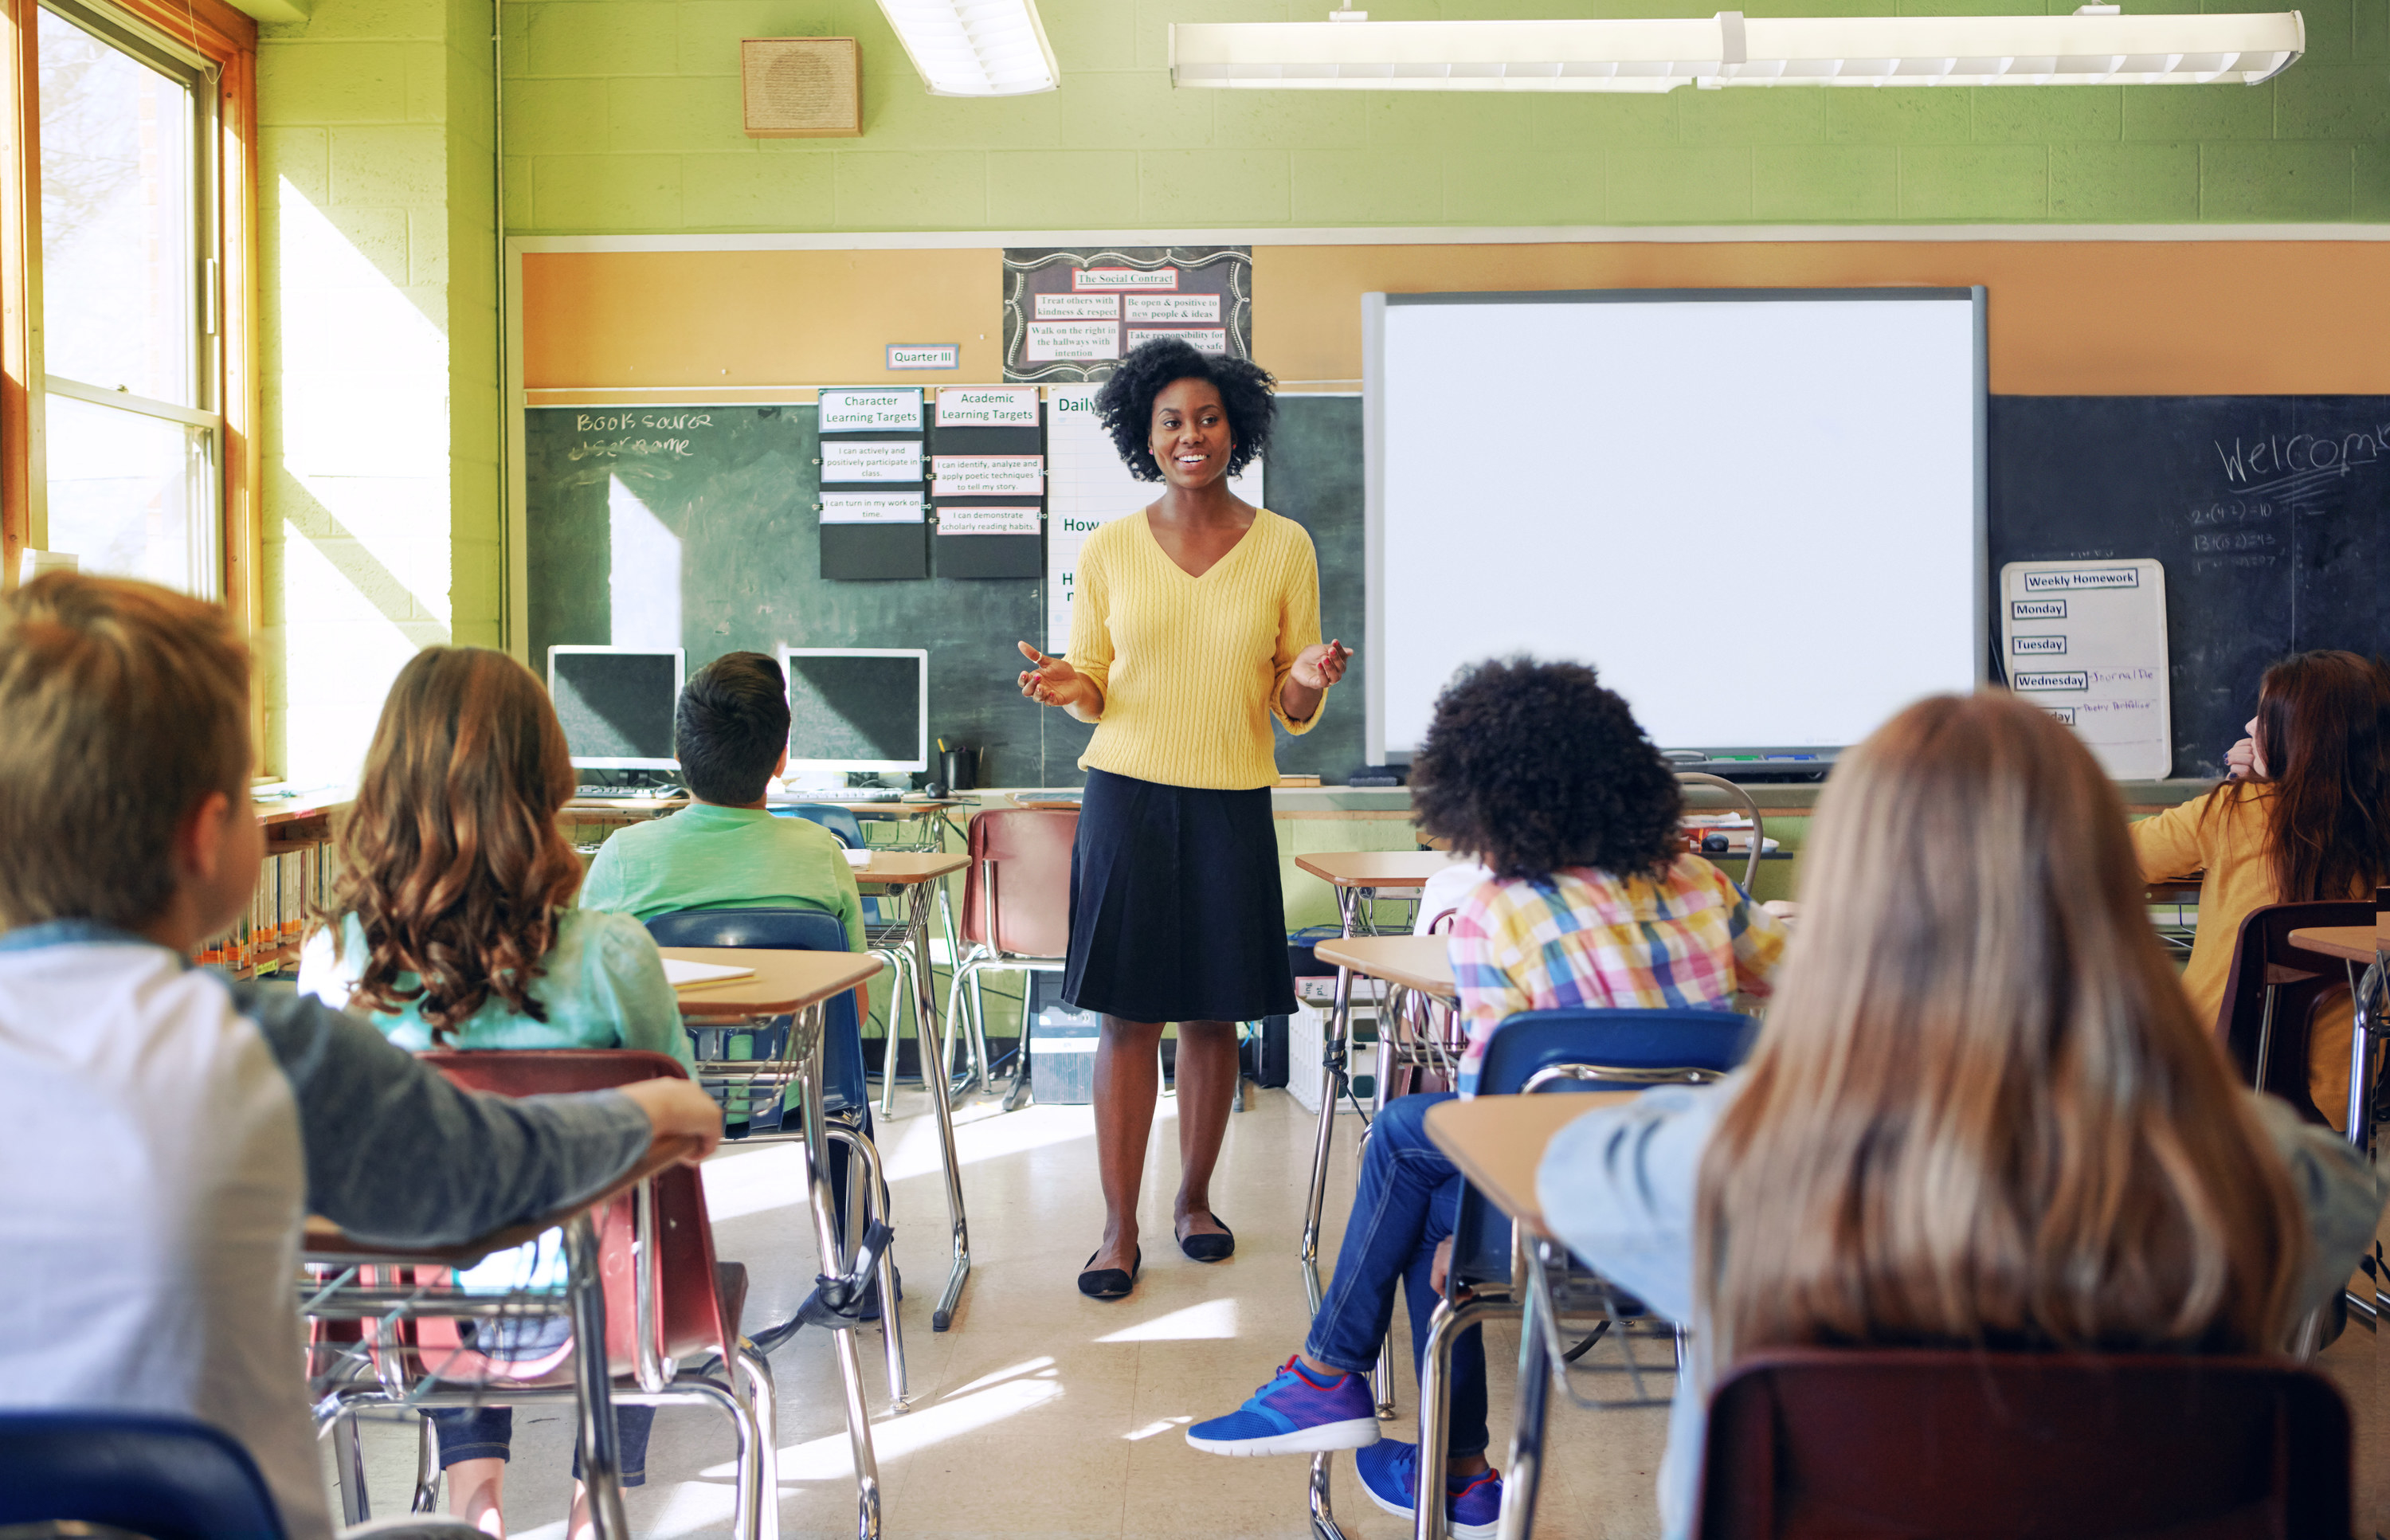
(2094,46)
(975,47)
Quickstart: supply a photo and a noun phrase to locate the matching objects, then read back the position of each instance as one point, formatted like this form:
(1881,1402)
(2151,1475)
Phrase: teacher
(1196,620)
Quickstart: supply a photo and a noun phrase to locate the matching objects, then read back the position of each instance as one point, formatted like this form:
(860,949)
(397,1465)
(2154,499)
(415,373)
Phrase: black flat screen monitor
(616,704)
(858,708)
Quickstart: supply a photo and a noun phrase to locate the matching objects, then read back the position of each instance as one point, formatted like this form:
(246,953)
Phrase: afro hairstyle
(1533,767)
(1126,403)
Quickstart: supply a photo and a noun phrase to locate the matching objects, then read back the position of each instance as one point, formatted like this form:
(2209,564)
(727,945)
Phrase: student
(452,925)
(725,851)
(164,1130)
(2305,815)
(1541,774)
(1983,1114)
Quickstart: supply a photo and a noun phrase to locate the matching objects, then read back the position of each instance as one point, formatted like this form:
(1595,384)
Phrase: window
(132,423)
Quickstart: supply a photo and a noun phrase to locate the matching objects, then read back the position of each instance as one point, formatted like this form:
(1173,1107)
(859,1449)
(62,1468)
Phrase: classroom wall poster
(1087,486)
(1071,315)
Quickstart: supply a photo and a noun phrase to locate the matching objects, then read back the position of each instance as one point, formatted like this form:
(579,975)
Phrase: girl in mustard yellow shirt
(2304,816)
(1196,623)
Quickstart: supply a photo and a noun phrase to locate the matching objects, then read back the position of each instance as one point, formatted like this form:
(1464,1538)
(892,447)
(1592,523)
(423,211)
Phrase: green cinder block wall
(622,116)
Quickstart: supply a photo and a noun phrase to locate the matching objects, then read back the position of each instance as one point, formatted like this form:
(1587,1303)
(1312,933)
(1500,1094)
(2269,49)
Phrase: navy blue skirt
(1176,913)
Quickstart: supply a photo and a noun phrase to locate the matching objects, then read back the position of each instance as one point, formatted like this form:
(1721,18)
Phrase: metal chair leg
(888,1060)
(1526,1472)
(1017,1096)
(427,1468)
(1435,1406)
(755,1380)
(349,1468)
(868,1167)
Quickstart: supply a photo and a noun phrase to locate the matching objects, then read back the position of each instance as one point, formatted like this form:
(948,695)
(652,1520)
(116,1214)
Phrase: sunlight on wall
(645,580)
(358,487)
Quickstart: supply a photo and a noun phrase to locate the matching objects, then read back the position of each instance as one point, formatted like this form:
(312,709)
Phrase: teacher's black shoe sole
(1111,1283)
(1211,1248)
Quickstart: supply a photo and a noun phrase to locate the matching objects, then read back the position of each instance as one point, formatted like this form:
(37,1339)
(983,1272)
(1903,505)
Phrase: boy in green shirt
(725,851)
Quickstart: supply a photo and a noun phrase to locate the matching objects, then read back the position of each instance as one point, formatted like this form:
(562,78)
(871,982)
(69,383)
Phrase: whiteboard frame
(1373,478)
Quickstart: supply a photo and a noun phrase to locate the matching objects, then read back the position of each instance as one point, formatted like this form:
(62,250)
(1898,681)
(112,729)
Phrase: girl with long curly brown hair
(2304,815)
(452,926)
(1981,1114)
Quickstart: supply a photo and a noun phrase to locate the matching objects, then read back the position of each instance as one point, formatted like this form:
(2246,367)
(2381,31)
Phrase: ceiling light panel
(975,47)
(1660,55)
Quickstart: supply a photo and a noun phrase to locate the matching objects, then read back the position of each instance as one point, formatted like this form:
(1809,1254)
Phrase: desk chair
(672,1309)
(2274,990)
(1807,1444)
(1016,915)
(884,925)
(846,1094)
(1536,1050)
(1739,794)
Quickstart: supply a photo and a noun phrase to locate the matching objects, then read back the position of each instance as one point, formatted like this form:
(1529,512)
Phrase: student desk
(911,871)
(1423,963)
(1357,876)
(323,1244)
(2354,945)
(1498,1142)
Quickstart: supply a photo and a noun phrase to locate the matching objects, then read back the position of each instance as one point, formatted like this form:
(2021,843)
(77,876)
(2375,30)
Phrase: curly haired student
(1543,774)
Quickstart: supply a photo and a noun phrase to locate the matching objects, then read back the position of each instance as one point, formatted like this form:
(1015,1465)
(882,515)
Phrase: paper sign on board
(872,460)
(884,411)
(1172,309)
(1098,279)
(2087,641)
(1049,342)
(987,406)
(871,507)
(987,520)
(988,475)
(1214,339)
(925,355)
(1078,307)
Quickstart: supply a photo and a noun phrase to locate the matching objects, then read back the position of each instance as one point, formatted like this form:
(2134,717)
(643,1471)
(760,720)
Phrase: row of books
(289,889)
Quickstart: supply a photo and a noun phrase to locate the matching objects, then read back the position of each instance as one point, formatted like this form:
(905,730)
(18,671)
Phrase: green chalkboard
(695,527)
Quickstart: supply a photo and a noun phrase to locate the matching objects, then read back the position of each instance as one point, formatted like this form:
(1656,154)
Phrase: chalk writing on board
(2234,512)
(616,422)
(2301,454)
(2234,540)
(615,448)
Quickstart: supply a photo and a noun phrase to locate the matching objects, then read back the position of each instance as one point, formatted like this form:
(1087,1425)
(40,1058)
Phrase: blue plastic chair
(1554,1050)
(166,1477)
(839,821)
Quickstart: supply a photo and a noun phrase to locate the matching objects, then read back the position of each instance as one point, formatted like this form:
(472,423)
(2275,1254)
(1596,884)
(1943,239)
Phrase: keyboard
(627,793)
(840,794)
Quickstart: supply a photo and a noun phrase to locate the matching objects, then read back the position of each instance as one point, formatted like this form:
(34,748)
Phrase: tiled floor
(1044,1413)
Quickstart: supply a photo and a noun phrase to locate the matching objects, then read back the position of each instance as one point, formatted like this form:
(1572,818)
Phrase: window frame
(217,47)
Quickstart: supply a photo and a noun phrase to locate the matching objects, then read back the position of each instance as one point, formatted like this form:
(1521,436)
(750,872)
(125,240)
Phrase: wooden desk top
(324,1241)
(2348,942)
(1417,962)
(897,868)
(783,983)
(1498,1142)
(626,804)
(1374,868)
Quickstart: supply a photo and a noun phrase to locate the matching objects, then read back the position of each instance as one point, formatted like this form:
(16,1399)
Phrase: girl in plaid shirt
(1541,774)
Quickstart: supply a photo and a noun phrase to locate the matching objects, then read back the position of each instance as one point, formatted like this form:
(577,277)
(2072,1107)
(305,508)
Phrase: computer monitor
(616,704)
(858,708)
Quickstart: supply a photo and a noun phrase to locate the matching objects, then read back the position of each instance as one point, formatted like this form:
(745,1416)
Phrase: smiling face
(1190,438)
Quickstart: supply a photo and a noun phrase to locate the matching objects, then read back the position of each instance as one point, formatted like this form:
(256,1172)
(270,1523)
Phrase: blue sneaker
(1472,1505)
(1294,1414)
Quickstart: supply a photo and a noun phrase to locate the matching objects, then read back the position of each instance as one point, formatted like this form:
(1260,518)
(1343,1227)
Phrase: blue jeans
(488,1433)
(1408,1199)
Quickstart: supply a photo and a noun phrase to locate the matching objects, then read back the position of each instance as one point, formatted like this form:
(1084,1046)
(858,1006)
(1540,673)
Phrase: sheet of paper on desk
(859,859)
(688,975)
(2087,641)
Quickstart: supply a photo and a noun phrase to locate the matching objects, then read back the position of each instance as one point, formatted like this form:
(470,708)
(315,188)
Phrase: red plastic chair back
(1031,847)
(1815,1442)
(691,1320)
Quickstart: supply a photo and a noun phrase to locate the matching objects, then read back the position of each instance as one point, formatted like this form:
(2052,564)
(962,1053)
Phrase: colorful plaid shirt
(1586,938)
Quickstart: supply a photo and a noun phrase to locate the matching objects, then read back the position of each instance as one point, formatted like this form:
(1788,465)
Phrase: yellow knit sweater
(1192,667)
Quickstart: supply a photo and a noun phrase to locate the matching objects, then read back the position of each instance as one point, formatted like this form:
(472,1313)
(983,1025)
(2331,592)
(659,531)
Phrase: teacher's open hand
(1055,683)
(1321,664)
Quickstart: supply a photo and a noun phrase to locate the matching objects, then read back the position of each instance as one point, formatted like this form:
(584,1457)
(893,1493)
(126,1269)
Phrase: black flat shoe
(1211,1248)
(1111,1283)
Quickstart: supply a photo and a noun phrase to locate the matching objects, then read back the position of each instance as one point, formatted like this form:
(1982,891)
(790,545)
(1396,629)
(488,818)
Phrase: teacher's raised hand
(1321,664)
(1052,682)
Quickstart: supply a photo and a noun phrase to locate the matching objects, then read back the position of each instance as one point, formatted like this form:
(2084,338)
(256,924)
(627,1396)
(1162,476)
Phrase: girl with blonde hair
(1982,1112)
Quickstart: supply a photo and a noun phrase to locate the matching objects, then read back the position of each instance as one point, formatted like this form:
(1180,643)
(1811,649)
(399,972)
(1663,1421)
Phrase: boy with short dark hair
(727,851)
(165,1131)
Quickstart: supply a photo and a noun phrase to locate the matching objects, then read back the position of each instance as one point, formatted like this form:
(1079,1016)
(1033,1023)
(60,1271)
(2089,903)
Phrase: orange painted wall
(2066,317)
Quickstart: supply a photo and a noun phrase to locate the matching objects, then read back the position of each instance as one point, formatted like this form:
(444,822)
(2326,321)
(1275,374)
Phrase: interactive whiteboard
(1758,512)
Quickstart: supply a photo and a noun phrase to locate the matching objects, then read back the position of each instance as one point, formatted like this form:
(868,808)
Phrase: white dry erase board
(1758,512)
(2088,641)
